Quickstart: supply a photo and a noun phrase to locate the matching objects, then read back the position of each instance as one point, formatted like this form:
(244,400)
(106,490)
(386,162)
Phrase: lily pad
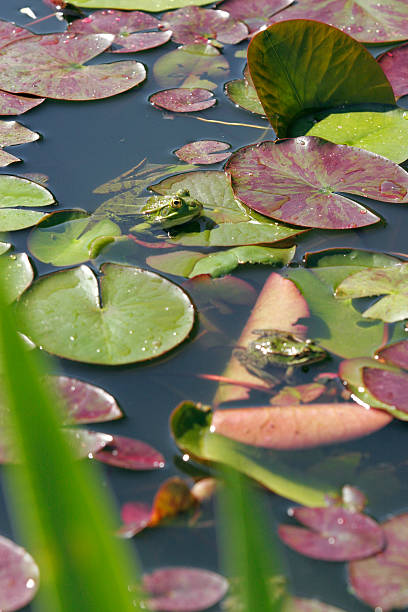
(255,13)
(225,221)
(4,247)
(191,263)
(216,292)
(62,238)
(17,105)
(382,581)
(185,66)
(350,74)
(16,274)
(183,100)
(298,604)
(153,6)
(395,354)
(243,93)
(183,589)
(10,32)
(388,387)
(196,25)
(52,66)
(394,64)
(297,181)
(17,193)
(19,576)
(203,152)
(391,282)
(365,20)
(106,322)
(130,454)
(335,534)
(13,133)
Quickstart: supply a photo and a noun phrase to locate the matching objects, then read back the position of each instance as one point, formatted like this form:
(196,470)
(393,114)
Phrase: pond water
(86,144)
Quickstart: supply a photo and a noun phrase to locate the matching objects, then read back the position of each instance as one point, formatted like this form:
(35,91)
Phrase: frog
(168,211)
(278,349)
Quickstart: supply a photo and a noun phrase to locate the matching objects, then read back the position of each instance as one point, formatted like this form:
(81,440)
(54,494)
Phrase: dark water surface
(86,144)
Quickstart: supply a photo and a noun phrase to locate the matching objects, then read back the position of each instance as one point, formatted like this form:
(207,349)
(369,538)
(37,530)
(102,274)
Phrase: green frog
(280,349)
(167,211)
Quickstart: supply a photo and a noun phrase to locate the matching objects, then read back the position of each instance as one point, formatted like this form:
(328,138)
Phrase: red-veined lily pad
(127,315)
(335,534)
(17,105)
(255,13)
(17,194)
(153,6)
(16,275)
(52,66)
(130,454)
(19,576)
(394,64)
(395,354)
(10,32)
(368,21)
(13,133)
(382,581)
(183,99)
(203,152)
(127,28)
(297,181)
(350,75)
(196,25)
(183,589)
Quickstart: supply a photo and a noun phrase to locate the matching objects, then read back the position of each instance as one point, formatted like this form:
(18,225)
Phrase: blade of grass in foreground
(63,513)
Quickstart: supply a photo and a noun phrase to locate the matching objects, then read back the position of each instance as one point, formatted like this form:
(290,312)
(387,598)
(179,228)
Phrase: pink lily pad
(130,454)
(382,581)
(395,65)
(10,32)
(335,534)
(388,387)
(203,152)
(183,100)
(126,26)
(297,180)
(17,105)
(52,66)
(369,21)
(255,13)
(396,354)
(135,516)
(193,24)
(183,589)
(19,576)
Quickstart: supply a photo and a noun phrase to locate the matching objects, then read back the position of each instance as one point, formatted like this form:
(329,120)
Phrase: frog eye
(177,203)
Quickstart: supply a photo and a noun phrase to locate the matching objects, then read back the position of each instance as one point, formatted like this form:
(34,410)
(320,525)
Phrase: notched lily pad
(131,454)
(203,152)
(17,105)
(196,25)
(19,576)
(17,194)
(255,13)
(183,100)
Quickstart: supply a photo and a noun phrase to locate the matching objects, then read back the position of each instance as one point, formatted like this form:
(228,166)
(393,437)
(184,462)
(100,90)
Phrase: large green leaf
(16,193)
(154,6)
(335,70)
(133,315)
(16,274)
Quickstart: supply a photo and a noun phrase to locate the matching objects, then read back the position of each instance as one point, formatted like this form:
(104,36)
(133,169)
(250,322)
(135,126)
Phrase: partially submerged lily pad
(17,194)
(394,64)
(183,100)
(16,275)
(297,181)
(52,66)
(203,152)
(255,13)
(19,576)
(17,105)
(196,25)
(106,322)
(131,454)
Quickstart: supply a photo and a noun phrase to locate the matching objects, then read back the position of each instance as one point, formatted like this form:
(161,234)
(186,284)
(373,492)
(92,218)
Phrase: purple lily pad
(130,454)
(126,26)
(197,25)
(19,576)
(297,181)
(183,100)
(10,32)
(17,105)
(255,13)
(183,589)
(396,354)
(52,66)
(388,387)
(203,152)
(368,21)
(395,65)
(135,516)
(335,534)
(85,403)
(382,581)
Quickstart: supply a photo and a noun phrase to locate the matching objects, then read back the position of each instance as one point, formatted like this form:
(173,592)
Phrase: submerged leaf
(193,24)
(19,576)
(394,64)
(183,100)
(255,13)
(19,192)
(130,454)
(17,105)
(203,152)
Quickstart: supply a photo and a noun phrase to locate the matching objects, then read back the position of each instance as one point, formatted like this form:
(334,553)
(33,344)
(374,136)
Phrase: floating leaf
(230,223)
(16,274)
(19,576)
(297,181)
(136,517)
(394,65)
(183,100)
(185,66)
(255,13)
(106,321)
(4,247)
(191,263)
(62,238)
(19,192)
(196,25)
(337,70)
(203,152)
(395,354)
(130,454)
(13,133)
(335,534)
(52,66)
(10,32)
(365,20)
(153,6)
(17,105)
(388,387)
(243,93)
(382,581)
(183,589)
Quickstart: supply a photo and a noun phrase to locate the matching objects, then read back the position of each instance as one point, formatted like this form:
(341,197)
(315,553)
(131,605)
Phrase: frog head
(171,210)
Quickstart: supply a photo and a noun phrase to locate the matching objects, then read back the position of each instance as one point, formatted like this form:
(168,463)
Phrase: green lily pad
(191,263)
(384,133)
(336,70)
(127,315)
(224,221)
(16,274)
(391,282)
(243,94)
(62,240)
(16,194)
(153,6)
